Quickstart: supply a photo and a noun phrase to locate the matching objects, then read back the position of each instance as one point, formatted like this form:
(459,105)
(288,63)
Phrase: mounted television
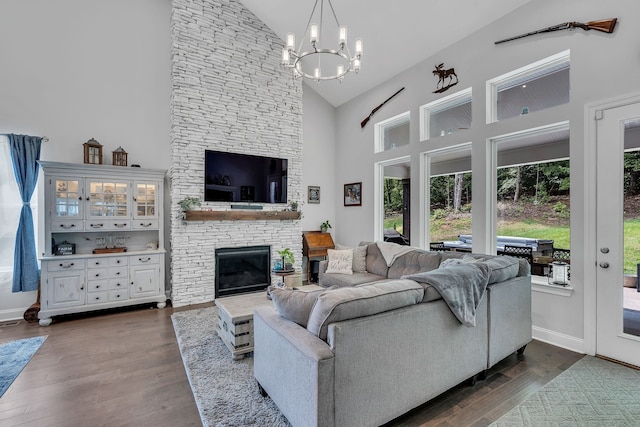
(232,177)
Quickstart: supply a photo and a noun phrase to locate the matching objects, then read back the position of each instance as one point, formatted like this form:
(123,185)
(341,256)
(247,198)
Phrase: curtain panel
(25,153)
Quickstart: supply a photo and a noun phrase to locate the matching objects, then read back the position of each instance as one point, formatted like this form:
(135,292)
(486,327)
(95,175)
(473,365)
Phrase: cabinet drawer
(62,265)
(145,224)
(117,295)
(97,297)
(97,263)
(118,272)
(97,285)
(109,225)
(115,284)
(97,273)
(58,226)
(116,261)
(144,259)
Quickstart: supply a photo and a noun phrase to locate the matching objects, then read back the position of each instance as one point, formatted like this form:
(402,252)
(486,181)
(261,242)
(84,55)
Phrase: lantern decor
(119,157)
(92,152)
(559,273)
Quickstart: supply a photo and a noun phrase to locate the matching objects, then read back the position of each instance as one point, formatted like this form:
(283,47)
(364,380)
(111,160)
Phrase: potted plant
(287,258)
(325,226)
(189,203)
(293,205)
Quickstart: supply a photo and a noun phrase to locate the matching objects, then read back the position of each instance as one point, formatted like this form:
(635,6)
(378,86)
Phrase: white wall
(76,69)
(318,154)
(602,66)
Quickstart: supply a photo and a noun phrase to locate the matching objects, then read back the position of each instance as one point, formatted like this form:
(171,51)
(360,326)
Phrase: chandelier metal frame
(295,59)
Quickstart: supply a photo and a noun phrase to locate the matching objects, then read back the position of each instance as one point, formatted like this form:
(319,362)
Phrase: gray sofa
(380,343)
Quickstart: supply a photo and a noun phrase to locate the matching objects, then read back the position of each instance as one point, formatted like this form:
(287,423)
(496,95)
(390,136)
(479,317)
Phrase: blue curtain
(25,151)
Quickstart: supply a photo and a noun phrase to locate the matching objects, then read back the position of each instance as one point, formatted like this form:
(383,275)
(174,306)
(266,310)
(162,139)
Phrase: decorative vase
(323,229)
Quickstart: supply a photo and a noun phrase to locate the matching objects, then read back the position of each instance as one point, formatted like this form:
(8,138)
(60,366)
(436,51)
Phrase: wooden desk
(315,244)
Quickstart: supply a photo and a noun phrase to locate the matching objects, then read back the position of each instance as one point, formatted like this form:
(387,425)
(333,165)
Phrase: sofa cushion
(467,259)
(359,264)
(294,305)
(502,268)
(347,280)
(349,303)
(375,261)
(340,261)
(414,262)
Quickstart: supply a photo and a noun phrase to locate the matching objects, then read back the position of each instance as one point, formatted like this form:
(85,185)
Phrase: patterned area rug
(225,391)
(14,356)
(592,392)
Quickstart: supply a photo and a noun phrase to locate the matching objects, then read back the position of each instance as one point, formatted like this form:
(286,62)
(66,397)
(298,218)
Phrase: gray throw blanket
(461,286)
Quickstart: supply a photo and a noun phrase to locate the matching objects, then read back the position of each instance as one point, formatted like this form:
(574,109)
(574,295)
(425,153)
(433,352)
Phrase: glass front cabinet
(103,241)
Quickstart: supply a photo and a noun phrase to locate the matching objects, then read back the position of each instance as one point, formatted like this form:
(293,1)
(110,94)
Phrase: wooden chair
(519,252)
(437,246)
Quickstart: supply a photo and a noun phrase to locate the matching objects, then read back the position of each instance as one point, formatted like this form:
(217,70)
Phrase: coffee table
(235,321)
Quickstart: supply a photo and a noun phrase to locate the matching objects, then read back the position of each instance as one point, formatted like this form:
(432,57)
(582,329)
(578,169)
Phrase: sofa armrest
(295,368)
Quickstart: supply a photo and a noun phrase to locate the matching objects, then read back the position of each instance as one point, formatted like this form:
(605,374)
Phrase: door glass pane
(396,198)
(631,224)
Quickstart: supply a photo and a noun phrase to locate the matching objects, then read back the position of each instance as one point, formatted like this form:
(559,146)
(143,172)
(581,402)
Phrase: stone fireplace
(241,270)
(228,93)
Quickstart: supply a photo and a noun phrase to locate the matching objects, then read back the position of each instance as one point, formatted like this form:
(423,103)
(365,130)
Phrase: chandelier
(316,63)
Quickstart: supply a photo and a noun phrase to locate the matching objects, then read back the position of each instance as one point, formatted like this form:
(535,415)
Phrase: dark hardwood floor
(124,369)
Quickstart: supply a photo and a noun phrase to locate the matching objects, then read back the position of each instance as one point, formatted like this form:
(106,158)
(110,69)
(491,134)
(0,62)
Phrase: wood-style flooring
(123,368)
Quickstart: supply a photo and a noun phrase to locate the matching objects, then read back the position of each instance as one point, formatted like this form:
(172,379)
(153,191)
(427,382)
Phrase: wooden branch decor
(604,25)
(444,74)
(366,120)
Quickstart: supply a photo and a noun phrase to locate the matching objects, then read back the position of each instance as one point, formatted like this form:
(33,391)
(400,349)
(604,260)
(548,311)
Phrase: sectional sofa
(383,341)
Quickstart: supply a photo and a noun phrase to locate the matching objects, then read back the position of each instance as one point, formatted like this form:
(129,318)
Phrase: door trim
(589,226)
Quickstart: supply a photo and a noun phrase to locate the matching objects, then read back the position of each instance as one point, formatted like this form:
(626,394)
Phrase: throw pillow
(502,268)
(359,264)
(294,305)
(340,261)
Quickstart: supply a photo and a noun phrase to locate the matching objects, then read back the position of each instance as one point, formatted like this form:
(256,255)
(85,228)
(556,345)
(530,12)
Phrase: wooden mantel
(240,215)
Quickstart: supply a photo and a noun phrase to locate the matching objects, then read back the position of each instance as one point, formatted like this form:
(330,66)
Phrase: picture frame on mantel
(313,194)
(353,194)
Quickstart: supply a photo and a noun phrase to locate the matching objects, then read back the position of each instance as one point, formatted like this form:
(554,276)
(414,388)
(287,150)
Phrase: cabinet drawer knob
(142,224)
(67,226)
(97,274)
(68,265)
(121,225)
(97,286)
(97,225)
(144,260)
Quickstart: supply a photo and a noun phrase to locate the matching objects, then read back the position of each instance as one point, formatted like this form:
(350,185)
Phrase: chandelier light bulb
(313,34)
(285,56)
(356,65)
(358,48)
(316,74)
(343,36)
(291,41)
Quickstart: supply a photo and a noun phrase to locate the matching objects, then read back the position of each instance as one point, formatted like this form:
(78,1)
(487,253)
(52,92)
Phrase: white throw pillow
(340,261)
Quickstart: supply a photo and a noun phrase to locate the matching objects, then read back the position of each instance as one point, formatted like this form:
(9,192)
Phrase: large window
(532,194)
(446,115)
(392,133)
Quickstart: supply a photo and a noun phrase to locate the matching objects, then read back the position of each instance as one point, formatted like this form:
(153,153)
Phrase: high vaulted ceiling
(397,34)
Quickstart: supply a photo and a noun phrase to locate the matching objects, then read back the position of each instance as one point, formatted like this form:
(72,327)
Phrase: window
(537,86)
(449,196)
(392,133)
(532,186)
(446,115)
(10,206)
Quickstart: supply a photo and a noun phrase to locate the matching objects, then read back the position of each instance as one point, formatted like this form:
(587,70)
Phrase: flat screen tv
(232,177)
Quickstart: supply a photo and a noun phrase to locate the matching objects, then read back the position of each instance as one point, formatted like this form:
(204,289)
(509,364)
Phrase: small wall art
(353,194)
(313,194)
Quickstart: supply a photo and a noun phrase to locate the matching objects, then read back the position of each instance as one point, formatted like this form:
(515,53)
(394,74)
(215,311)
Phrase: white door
(618,131)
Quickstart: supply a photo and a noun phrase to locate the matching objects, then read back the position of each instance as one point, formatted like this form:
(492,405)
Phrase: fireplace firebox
(241,270)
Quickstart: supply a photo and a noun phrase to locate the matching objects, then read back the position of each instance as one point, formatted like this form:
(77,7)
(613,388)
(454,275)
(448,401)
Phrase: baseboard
(12,314)
(558,339)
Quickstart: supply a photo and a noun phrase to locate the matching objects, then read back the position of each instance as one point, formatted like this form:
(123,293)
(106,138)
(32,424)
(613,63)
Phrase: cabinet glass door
(145,202)
(68,198)
(108,199)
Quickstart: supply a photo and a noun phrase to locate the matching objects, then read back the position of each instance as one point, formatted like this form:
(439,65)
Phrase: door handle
(604,264)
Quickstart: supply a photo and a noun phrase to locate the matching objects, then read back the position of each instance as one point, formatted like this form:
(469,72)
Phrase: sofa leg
(483,375)
(472,381)
(520,351)
(262,391)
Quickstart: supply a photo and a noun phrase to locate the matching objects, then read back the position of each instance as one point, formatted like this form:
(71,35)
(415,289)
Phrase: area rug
(592,392)
(225,391)
(14,356)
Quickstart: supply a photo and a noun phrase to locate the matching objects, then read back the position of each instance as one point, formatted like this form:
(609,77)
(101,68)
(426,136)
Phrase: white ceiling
(397,34)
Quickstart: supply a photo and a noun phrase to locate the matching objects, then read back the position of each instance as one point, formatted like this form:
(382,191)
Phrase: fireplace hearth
(241,270)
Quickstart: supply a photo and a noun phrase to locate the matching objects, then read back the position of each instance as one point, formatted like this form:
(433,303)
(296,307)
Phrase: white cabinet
(112,218)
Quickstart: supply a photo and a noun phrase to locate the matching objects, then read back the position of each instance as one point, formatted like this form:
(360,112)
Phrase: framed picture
(313,194)
(353,194)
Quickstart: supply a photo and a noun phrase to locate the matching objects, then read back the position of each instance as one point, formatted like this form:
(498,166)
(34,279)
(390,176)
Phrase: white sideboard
(103,238)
